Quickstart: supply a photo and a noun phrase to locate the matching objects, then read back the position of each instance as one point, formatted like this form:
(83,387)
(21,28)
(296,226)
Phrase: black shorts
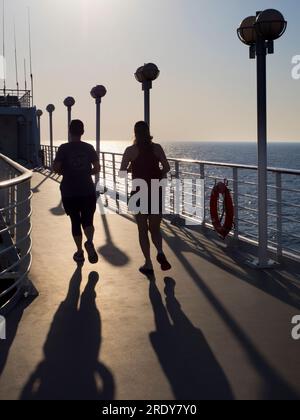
(83,205)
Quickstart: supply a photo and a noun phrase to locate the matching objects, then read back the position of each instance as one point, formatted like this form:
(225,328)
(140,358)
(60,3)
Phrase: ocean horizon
(280,154)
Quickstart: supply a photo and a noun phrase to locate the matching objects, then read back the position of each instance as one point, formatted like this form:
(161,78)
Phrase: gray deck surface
(107,332)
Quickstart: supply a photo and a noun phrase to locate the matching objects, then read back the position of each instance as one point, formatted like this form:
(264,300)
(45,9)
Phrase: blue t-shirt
(76,159)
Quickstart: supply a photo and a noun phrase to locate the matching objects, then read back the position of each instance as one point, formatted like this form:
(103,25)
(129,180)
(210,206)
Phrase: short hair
(76,128)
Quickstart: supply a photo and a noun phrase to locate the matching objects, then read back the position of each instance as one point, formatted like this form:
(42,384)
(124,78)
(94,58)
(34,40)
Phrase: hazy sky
(206,90)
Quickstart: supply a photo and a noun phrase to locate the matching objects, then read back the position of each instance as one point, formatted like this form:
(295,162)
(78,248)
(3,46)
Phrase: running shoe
(164,263)
(92,254)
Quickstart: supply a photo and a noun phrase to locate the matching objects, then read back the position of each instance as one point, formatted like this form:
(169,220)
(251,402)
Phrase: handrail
(284,171)
(15,214)
(25,174)
(235,165)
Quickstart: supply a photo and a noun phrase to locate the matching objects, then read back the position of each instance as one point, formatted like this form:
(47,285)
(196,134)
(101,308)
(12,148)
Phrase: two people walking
(78,161)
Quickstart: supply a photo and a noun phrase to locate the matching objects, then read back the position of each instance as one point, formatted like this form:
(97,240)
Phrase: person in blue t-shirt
(77,162)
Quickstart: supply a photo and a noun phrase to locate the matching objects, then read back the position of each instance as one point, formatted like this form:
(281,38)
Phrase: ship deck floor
(107,332)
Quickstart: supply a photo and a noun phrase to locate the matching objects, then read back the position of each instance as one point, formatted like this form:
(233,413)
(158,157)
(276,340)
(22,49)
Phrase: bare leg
(78,242)
(142,222)
(89,233)
(89,245)
(76,230)
(154,226)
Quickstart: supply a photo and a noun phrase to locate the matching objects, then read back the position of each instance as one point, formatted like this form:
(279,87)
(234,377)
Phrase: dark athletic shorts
(83,205)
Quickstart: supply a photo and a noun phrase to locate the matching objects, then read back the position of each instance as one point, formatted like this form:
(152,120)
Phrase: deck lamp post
(51,108)
(69,102)
(146,75)
(98,92)
(259,33)
(39,114)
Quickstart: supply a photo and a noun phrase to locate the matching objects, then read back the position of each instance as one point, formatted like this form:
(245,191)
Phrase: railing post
(104,178)
(176,220)
(45,156)
(279,214)
(202,177)
(103,169)
(115,182)
(236,203)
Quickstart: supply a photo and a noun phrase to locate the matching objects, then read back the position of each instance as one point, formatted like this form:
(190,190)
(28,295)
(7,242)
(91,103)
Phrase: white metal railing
(283,197)
(15,231)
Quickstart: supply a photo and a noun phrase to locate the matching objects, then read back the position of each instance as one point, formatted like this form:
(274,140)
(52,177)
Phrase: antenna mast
(25,74)
(3,46)
(16,59)
(30,53)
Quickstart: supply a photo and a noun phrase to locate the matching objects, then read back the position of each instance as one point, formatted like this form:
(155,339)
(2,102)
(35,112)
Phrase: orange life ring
(223,229)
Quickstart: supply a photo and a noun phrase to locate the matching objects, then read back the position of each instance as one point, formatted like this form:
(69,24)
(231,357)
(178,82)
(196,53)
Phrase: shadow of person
(59,210)
(184,354)
(36,189)
(71,370)
(110,251)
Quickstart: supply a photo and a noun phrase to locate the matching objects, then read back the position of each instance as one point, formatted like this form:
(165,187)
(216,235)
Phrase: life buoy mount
(226,213)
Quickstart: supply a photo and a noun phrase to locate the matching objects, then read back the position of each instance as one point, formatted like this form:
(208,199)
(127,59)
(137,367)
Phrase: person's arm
(58,162)
(125,163)
(96,168)
(163,160)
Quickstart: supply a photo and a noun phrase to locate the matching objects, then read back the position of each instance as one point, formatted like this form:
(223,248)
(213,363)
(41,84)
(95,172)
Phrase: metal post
(176,192)
(51,138)
(104,178)
(177,220)
(98,115)
(236,203)
(104,170)
(115,182)
(69,121)
(146,88)
(69,102)
(147,106)
(262,152)
(98,92)
(279,214)
(202,177)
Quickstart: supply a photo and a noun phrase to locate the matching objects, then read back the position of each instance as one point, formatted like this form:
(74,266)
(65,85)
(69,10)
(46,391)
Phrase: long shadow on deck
(36,188)
(71,370)
(279,283)
(113,255)
(185,356)
(58,210)
(274,387)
